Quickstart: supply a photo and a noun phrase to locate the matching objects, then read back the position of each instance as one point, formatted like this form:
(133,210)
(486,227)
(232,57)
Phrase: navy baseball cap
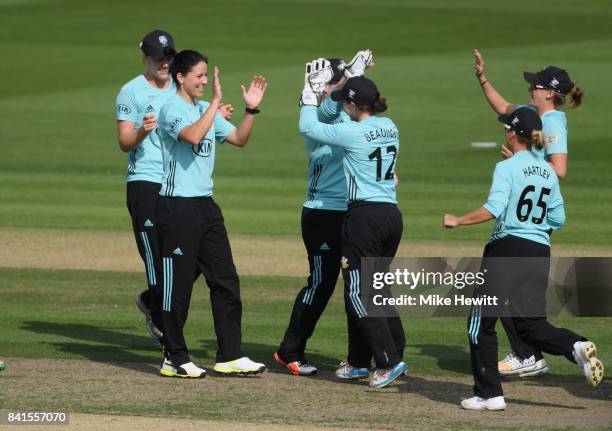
(358,89)
(551,78)
(523,121)
(158,44)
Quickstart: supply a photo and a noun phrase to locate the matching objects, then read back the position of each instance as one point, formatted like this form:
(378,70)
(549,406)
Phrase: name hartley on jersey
(380,133)
(536,170)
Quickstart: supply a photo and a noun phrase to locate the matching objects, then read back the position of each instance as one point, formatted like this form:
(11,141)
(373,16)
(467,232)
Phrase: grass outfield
(90,354)
(91,315)
(61,166)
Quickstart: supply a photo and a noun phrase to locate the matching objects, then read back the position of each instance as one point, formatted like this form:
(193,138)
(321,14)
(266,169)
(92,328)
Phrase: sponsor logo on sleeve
(551,139)
(175,123)
(123,109)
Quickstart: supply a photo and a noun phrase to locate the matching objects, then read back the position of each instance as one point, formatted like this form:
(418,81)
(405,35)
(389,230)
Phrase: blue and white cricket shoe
(348,372)
(384,377)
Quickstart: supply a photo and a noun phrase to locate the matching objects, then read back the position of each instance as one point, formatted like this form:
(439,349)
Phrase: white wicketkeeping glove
(318,73)
(359,63)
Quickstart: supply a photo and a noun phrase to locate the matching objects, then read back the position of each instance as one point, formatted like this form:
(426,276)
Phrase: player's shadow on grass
(574,385)
(102,344)
(443,390)
(449,357)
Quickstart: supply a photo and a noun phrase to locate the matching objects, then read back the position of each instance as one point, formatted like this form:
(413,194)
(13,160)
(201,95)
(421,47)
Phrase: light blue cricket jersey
(554,126)
(136,99)
(371,147)
(525,198)
(188,168)
(326,180)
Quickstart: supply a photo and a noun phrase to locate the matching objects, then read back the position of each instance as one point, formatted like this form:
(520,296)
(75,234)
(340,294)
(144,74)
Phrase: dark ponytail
(378,105)
(184,61)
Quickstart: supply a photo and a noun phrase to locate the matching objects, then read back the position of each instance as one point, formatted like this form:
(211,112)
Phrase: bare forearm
(496,100)
(195,133)
(243,130)
(477,216)
(130,140)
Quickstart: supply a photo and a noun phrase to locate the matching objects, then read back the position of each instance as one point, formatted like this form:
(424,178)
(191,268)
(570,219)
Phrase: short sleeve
(172,120)
(125,106)
(555,136)
(223,128)
(499,195)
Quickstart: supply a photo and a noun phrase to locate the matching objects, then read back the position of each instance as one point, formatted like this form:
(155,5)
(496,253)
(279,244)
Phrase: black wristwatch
(251,110)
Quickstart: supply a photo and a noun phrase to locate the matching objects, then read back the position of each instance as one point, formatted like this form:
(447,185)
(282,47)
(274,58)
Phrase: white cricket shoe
(477,403)
(190,370)
(585,354)
(541,367)
(243,367)
(512,365)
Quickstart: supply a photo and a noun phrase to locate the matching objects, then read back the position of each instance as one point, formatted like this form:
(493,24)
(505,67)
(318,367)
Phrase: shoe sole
(484,408)
(596,367)
(353,378)
(239,373)
(167,373)
(534,373)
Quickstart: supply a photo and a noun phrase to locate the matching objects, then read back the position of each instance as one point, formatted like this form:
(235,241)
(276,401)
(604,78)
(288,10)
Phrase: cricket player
(549,89)
(137,108)
(526,202)
(322,217)
(373,224)
(191,226)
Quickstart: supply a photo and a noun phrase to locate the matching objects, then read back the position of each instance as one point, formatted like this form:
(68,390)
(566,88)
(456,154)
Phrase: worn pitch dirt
(276,398)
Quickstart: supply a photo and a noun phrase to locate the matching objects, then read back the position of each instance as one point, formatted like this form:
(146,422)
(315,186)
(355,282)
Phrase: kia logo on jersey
(123,109)
(203,149)
(175,123)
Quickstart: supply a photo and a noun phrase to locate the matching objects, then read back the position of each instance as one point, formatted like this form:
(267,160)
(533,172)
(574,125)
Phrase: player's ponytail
(537,140)
(379,105)
(576,96)
(183,62)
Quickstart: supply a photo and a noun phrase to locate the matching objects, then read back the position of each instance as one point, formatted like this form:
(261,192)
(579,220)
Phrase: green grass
(61,166)
(91,315)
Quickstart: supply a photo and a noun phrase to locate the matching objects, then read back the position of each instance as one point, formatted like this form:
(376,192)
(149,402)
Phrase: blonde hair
(536,141)
(575,95)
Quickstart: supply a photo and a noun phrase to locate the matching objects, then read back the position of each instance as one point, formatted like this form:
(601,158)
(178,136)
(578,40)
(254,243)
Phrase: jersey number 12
(377,154)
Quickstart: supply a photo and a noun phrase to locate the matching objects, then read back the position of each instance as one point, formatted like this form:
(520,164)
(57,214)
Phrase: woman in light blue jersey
(526,202)
(549,89)
(373,223)
(194,240)
(136,107)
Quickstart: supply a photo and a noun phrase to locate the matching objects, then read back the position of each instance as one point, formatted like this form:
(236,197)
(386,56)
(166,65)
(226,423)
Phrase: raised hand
(253,96)
(217,93)
(320,74)
(478,64)
(360,62)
